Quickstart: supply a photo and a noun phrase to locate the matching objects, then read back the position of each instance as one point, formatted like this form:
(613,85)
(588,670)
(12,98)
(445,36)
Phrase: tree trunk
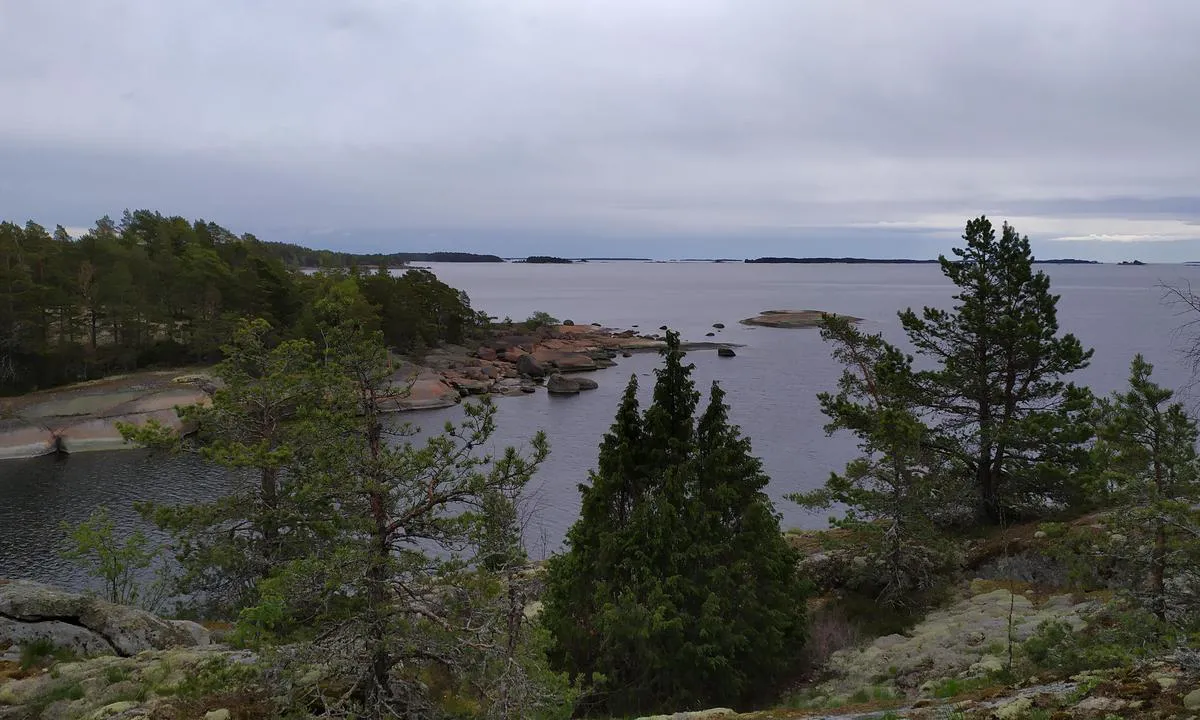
(989,490)
(379,687)
(269,492)
(1158,560)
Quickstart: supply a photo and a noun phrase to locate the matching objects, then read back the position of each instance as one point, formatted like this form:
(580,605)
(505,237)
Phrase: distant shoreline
(888,261)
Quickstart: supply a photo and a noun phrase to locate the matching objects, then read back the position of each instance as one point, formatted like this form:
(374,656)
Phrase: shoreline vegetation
(513,359)
(1008,545)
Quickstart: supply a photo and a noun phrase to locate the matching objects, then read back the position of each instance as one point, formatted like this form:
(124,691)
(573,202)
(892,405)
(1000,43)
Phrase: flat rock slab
(25,438)
(790,318)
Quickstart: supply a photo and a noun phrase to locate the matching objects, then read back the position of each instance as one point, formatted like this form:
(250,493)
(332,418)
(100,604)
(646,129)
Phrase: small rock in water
(710,334)
(626,353)
(719,326)
(557,384)
(662,327)
(726,352)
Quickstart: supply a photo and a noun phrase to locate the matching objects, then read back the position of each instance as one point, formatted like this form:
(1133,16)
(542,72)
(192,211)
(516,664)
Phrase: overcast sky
(670,128)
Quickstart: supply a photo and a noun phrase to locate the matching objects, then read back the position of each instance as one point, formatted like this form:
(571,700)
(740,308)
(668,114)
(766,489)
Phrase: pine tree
(423,574)
(677,589)
(893,493)
(1147,448)
(267,419)
(1002,409)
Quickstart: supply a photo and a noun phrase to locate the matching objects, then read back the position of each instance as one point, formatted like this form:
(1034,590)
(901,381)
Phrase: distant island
(616,259)
(891,261)
(1131,262)
(829,260)
(547,260)
(300,256)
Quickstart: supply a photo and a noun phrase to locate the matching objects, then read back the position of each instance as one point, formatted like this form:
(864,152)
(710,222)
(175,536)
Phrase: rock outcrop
(789,318)
(85,625)
(964,639)
(85,417)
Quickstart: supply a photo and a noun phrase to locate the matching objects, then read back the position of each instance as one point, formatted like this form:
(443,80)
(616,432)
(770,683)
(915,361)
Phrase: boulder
(710,334)
(76,640)
(486,353)
(1191,701)
(586,383)
(420,390)
(124,630)
(528,365)
(626,354)
(557,384)
(719,326)
(199,633)
(726,352)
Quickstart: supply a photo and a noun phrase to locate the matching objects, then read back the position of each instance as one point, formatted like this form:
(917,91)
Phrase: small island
(1131,262)
(547,260)
(790,318)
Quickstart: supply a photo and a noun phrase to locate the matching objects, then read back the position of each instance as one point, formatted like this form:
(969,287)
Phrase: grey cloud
(681,123)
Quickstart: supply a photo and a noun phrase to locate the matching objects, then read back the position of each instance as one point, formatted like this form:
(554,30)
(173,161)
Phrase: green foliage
(41,652)
(214,675)
(1117,636)
(120,564)
(540,319)
(996,398)
(153,290)
(1146,455)
(677,589)
(410,594)
(891,494)
(262,422)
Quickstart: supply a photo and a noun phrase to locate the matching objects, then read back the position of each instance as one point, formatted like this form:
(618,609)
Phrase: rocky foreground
(85,417)
(70,656)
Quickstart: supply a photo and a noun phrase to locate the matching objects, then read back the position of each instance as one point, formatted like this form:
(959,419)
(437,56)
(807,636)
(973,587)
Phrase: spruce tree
(677,589)
(997,397)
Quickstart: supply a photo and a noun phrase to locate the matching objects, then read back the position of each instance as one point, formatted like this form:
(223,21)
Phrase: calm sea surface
(771,385)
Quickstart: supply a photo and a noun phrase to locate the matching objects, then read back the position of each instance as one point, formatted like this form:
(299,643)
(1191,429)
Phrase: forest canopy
(152,290)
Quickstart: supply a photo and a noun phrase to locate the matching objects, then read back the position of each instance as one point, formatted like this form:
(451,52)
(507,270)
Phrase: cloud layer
(676,125)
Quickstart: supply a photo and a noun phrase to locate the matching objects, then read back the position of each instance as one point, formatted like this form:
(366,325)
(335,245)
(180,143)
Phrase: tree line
(152,290)
(389,578)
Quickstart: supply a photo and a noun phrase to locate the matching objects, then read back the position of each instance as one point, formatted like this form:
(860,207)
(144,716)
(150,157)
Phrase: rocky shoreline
(84,417)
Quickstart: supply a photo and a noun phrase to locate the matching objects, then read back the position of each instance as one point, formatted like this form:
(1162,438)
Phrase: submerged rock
(726,352)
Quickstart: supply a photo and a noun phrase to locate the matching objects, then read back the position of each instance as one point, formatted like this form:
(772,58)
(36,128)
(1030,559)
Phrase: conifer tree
(1001,408)
(1147,448)
(677,589)
(894,492)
